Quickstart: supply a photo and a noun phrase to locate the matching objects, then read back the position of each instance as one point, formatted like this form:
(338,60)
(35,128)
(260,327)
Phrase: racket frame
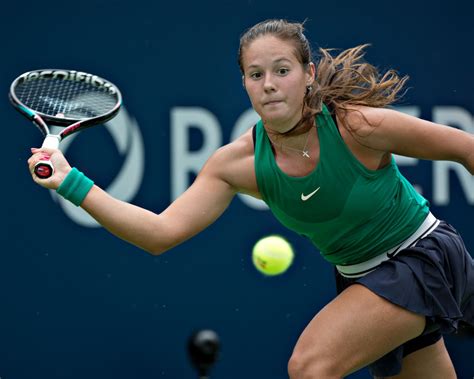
(44,168)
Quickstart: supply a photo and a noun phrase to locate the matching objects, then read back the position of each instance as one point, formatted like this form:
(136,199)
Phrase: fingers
(60,164)
(49,151)
(37,156)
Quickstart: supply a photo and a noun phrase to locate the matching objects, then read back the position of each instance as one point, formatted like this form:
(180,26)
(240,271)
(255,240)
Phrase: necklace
(304,152)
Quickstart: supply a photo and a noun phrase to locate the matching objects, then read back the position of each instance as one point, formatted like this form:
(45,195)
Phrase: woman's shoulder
(360,119)
(241,147)
(235,163)
(230,154)
(358,127)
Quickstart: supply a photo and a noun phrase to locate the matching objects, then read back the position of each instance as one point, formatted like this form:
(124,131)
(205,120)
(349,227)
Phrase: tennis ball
(272,255)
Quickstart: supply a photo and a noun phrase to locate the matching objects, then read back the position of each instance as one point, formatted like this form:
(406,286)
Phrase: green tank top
(350,213)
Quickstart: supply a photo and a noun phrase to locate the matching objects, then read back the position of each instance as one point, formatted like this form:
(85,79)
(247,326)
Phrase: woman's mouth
(272,102)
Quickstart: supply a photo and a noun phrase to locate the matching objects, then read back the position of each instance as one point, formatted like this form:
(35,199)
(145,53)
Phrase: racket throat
(51,141)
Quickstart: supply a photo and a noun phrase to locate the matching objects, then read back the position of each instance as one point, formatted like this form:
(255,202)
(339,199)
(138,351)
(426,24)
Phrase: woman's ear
(243,81)
(311,72)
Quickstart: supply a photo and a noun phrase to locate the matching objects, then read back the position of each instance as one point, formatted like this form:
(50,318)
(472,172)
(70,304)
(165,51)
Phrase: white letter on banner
(247,120)
(453,116)
(183,160)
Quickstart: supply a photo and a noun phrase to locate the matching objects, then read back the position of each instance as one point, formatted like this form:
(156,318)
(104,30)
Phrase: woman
(321,158)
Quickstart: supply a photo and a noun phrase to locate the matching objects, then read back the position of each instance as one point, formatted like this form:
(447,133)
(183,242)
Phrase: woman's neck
(293,143)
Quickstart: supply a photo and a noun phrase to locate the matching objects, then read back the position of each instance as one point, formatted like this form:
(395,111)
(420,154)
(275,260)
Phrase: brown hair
(342,80)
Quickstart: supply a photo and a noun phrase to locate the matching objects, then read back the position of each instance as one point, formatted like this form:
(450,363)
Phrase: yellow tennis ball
(272,255)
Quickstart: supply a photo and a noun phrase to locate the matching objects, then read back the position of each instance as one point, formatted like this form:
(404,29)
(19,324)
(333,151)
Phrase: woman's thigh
(352,331)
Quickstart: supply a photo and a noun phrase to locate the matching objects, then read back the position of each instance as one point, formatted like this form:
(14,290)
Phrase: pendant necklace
(304,152)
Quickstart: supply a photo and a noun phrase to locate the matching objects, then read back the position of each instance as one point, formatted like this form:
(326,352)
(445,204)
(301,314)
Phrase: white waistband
(360,269)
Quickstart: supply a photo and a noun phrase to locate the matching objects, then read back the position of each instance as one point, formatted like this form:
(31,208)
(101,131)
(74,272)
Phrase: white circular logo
(126,135)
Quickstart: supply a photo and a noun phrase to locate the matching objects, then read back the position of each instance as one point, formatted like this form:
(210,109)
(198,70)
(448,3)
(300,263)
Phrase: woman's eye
(256,75)
(283,71)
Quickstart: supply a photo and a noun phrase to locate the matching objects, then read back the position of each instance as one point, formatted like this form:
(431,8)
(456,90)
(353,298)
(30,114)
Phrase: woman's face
(275,81)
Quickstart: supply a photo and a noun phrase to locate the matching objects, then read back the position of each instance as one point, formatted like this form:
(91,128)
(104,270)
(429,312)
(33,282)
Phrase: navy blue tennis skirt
(434,278)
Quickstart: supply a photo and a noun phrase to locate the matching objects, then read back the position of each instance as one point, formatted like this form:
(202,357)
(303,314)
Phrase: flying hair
(342,80)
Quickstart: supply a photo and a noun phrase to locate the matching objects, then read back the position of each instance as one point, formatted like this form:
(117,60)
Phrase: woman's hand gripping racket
(66,98)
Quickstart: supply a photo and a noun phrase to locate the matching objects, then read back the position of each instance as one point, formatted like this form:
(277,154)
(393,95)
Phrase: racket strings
(65,98)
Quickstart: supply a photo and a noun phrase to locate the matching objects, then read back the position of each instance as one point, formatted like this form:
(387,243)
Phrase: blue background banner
(80,303)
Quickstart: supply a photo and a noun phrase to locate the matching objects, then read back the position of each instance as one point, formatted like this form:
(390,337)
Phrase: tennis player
(322,158)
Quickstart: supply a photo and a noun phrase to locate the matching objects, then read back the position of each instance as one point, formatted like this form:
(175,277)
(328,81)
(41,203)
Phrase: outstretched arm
(392,131)
(193,211)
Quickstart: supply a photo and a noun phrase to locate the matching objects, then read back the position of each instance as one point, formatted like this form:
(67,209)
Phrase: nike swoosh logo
(306,197)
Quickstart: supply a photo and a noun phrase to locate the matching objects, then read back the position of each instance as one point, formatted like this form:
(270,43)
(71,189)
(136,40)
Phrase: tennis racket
(68,99)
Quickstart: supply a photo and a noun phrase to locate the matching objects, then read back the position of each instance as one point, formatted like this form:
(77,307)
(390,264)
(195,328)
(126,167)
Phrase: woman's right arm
(203,202)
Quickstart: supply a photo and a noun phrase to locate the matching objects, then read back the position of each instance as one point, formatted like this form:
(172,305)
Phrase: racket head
(64,97)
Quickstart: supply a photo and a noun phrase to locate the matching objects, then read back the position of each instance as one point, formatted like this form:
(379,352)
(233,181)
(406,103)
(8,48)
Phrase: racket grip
(44,168)
(51,141)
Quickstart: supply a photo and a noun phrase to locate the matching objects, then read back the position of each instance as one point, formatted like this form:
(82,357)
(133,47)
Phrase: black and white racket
(69,99)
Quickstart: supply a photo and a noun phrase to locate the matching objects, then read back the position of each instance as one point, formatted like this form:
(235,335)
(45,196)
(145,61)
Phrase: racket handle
(44,168)
(51,141)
